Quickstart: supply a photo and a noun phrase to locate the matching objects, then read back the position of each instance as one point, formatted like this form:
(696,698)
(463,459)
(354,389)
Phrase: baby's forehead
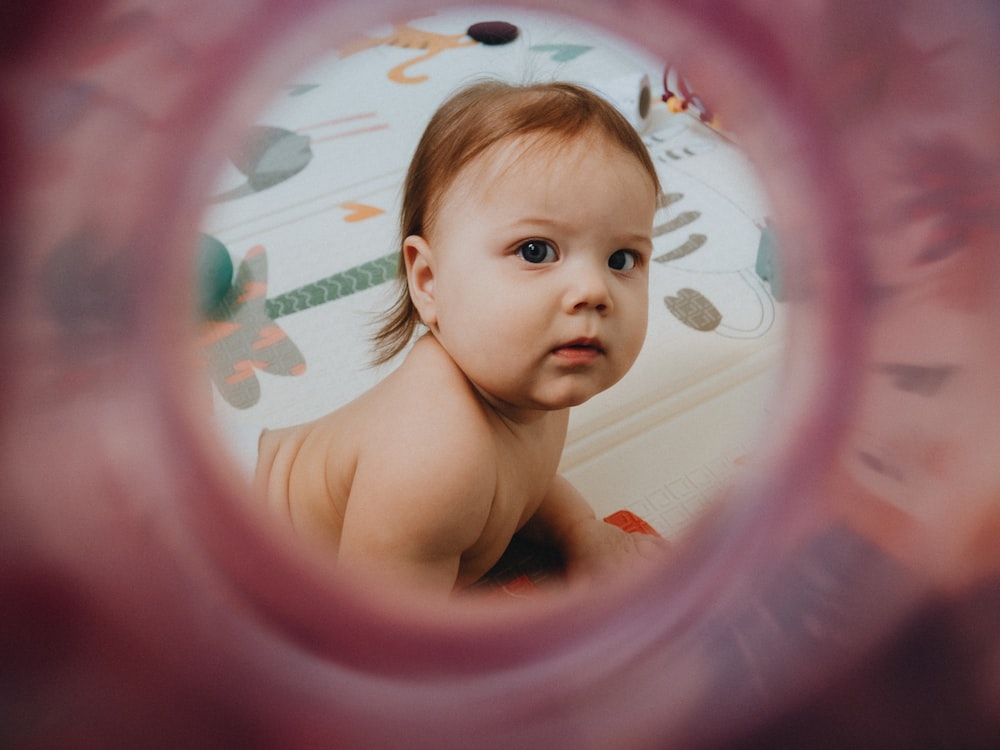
(537,156)
(541,149)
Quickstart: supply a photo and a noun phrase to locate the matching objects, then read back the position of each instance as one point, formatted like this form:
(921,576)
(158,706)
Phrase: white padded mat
(308,208)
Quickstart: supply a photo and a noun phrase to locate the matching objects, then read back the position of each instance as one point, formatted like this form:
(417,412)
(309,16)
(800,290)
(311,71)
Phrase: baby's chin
(545,397)
(522,403)
(567,400)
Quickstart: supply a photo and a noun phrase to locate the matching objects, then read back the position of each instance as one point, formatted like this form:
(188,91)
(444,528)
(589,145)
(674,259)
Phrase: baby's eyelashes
(624,260)
(537,251)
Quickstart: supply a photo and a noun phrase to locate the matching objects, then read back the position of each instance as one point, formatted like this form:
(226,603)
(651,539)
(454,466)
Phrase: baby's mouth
(586,343)
(579,350)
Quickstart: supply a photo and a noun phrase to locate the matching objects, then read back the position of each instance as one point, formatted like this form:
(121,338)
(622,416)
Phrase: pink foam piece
(845,594)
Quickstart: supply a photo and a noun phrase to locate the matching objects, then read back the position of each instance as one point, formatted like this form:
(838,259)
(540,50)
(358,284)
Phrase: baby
(526,223)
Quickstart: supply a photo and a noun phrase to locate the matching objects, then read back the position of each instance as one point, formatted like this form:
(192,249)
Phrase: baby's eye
(623,260)
(537,251)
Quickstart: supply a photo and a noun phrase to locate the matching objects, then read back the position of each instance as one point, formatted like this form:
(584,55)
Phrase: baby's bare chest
(525,470)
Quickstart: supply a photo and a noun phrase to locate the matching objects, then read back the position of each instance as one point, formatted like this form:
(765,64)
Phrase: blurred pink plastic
(847,594)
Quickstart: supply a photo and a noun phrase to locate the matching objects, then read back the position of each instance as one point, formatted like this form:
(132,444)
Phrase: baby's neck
(514,417)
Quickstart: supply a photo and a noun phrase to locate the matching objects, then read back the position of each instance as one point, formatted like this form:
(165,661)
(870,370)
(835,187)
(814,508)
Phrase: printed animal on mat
(240,337)
(408,37)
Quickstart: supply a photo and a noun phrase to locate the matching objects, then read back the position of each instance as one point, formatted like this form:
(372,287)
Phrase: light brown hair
(464,127)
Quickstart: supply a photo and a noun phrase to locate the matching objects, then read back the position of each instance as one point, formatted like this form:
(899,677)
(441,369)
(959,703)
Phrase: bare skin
(533,283)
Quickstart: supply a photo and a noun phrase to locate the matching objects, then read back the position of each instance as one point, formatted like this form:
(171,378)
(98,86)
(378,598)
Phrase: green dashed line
(562,52)
(335,287)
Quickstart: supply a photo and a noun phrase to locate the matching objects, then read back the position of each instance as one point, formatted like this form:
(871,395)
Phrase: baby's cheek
(633,342)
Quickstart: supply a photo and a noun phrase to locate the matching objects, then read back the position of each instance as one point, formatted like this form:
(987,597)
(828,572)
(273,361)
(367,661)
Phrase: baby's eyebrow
(640,240)
(535,221)
(544,225)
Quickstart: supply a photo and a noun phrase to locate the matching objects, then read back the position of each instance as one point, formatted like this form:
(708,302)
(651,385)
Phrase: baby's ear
(420,277)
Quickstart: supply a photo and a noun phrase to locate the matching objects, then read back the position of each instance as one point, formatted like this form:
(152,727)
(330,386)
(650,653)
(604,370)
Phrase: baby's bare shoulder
(426,471)
(425,413)
(428,395)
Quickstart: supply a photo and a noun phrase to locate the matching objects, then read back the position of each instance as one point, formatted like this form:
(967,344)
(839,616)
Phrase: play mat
(307,208)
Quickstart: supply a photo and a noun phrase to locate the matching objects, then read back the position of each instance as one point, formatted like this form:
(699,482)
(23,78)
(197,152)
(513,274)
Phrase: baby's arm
(417,504)
(590,546)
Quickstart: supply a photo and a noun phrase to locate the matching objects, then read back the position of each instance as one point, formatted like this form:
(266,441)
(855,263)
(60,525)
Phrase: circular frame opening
(332,664)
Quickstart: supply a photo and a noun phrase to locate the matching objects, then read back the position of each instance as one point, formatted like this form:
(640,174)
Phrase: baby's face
(541,270)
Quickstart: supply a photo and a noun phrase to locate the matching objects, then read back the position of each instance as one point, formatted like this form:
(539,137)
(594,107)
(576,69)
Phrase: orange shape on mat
(360,211)
(628,521)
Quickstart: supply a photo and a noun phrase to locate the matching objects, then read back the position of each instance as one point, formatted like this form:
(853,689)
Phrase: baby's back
(419,462)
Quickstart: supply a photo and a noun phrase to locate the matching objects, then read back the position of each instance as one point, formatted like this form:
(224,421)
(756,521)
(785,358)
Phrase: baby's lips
(583,343)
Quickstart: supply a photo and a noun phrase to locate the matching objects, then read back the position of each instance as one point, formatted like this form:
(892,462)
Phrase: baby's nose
(589,290)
